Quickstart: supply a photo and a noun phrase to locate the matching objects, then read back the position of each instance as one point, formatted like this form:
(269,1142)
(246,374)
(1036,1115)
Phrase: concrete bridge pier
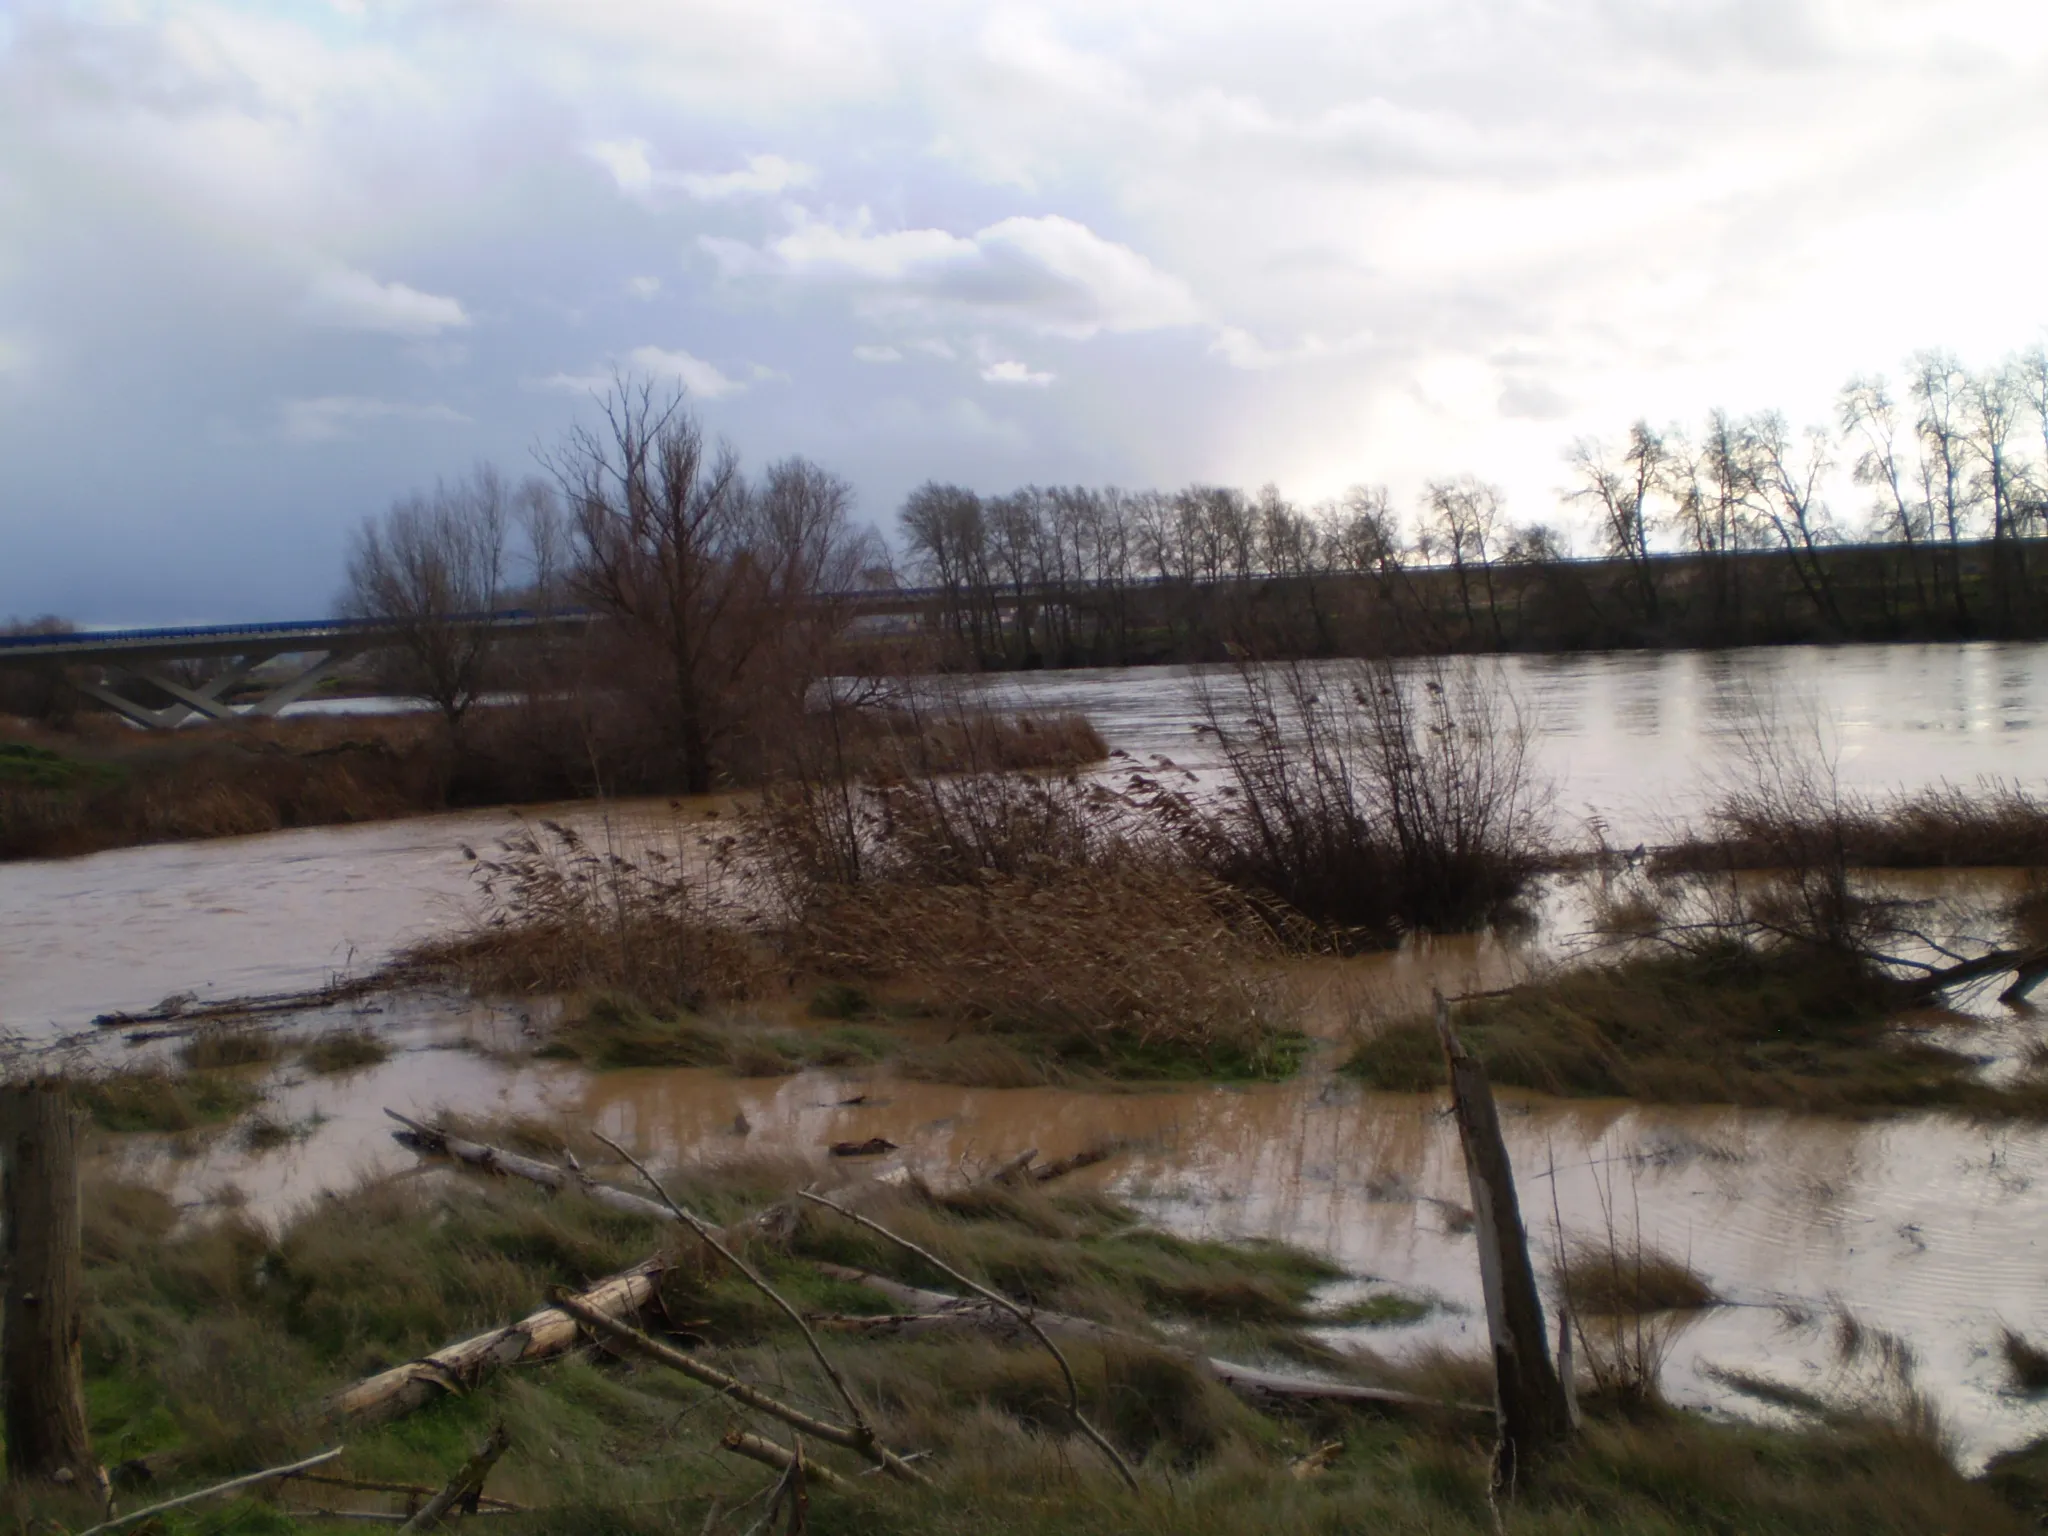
(208,700)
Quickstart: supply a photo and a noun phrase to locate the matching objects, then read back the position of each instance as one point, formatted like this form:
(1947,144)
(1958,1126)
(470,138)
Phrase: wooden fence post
(42,1391)
(1533,1404)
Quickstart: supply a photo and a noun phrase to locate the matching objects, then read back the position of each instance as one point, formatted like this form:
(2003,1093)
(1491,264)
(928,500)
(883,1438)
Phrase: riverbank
(98,784)
(207,1340)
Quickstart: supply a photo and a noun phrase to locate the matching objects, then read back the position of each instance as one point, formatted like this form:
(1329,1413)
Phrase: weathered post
(40,1374)
(1533,1404)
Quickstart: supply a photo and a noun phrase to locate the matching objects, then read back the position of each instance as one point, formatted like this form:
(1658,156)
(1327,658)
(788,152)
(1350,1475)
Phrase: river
(1924,1225)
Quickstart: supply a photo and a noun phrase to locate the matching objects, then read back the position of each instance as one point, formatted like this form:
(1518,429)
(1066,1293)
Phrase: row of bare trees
(1954,465)
(714,590)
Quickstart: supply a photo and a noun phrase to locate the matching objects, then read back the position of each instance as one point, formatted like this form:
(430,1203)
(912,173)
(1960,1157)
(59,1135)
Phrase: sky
(265,268)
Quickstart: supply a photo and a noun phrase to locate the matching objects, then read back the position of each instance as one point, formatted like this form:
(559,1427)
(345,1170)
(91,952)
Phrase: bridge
(240,649)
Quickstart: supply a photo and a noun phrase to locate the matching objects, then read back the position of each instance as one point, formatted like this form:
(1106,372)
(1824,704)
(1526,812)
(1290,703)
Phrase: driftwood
(1534,1409)
(780,1457)
(2030,966)
(233,1483)
(431,1139)
(927,1312)
(465,1486)
(457,1367)
(1021,1314)
(1026,1169)
(188,1010)
(716,1241)
(862,1444)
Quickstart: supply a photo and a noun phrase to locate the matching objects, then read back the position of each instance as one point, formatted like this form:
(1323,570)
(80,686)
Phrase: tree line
(1726,535)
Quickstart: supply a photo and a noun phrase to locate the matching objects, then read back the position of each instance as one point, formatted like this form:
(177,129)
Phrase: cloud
(326,418)
(870,354)
(627,161)
(1010,371)
(764,176)
(630,163)
(643,287)
(1047,273)
(700,378)
(356,301)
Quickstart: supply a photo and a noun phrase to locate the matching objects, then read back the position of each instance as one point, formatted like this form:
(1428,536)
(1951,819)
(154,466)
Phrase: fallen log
(186,1009)
(781,1458)
(431,1139)
(457,1367)
(410,1490)
(2030,964)
(928,1312)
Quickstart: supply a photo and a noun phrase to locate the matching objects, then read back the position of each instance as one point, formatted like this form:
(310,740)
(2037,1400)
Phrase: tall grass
(1373,800)
(562,914)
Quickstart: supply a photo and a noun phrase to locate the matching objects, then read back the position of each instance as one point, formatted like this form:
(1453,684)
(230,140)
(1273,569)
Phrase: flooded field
(1924,1225)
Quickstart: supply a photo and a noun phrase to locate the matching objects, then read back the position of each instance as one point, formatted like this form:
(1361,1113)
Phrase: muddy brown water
(1927,1226)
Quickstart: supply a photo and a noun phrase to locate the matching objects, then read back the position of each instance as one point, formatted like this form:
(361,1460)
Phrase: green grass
(30,767)
(157,1099)
(1389,1309)
(346,1050)
(202,1342)
(1784,1031)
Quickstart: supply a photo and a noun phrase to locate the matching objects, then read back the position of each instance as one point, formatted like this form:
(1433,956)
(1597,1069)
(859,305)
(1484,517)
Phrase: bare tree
(661,526)
(1785,476)
(1870,420)
(1938,382)
(1992,402)
(1462,518)
(1621,495)
(429,563)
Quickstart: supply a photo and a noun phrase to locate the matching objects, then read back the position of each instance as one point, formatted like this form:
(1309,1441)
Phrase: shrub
(1373,801)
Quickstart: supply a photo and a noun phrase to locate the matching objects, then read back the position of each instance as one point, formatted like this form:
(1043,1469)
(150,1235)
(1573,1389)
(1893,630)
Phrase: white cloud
(872,354)
(630,164)
(1010,371)
(325,418)
(356,301)
(14,356)
(627,161)
(1049,273)
(763,176)
(700,378)
(643,287)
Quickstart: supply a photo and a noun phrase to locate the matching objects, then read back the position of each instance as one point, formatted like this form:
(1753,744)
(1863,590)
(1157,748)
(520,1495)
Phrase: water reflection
(1928,1227)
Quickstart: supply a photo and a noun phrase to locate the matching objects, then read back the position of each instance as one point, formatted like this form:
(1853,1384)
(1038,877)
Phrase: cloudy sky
(265,266)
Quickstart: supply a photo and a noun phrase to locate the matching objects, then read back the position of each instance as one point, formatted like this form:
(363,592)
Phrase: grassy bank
(1788,1030)
(204,1342)
(98,784)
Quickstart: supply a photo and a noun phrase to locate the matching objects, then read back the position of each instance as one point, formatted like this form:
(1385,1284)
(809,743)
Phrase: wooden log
(427,1138)
(457,1367)
(929,1312)
(42,1319)
(781,1458)
(1533,1409)
(464,1486)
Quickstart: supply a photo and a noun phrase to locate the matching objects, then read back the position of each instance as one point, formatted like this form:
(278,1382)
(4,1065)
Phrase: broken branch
(1023,1315)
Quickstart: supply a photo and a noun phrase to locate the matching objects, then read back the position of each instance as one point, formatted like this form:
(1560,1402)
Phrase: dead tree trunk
(40,1370)
(1533,1407)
